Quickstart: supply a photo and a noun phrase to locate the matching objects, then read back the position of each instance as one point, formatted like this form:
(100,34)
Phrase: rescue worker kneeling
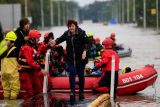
(29,69)
(103,85)
(9,70)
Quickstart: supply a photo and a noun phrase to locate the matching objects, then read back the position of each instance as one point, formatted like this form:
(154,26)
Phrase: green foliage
(98,11)
(150,19)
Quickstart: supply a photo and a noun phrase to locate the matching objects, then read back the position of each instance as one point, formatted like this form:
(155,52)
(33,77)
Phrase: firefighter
(29,69)
(104,83)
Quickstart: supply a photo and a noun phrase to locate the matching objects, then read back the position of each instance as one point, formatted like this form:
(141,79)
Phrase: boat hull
(128,83)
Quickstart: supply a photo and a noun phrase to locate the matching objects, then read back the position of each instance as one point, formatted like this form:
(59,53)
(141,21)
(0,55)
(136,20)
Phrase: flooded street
(145,50)
(145,46)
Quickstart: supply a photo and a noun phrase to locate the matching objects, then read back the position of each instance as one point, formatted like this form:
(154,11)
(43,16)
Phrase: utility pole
(42,14)
(128,11)
(134,11)
(26,8)
(112,8)
(122,11)
(157,8)
(51,10)
(144,14)
(64,12)
(59,13)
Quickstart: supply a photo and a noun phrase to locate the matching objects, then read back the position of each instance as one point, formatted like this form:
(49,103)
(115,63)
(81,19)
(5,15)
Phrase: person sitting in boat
(57,58)
(76,59)
(115,46)
(113,37)
(29,69)
(103,86)
(97,71)
(91,52)
(9,70)
(98,48)
(126,70)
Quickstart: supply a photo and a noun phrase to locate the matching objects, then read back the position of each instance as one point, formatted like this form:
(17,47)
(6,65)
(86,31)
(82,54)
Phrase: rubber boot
(81,95)
(13,97)
(72,98)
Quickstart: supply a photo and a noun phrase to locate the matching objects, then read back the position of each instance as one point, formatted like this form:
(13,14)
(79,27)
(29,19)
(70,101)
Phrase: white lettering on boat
(133,78)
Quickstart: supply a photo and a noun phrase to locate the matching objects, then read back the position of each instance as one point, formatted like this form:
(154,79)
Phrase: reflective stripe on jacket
(3,46)
(26,58)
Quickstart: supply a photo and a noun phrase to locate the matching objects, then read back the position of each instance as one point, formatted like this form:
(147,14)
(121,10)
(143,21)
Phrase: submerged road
(146,50)
(145,45)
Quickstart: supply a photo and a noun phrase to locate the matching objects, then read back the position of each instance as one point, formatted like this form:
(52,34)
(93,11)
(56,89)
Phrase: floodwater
(145,45)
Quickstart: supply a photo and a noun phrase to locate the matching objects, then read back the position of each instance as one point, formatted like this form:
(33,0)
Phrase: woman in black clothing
(76,41)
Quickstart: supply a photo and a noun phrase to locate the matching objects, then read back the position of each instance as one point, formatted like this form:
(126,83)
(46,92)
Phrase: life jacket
(41,60)
(23,62)
(41,53)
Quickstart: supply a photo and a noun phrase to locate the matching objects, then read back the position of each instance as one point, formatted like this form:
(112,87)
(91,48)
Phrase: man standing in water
(76,41)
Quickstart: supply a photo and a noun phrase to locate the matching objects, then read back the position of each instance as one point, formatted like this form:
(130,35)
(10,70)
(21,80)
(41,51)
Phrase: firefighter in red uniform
(103,85)
(57,54)
(42,50)
(28,67)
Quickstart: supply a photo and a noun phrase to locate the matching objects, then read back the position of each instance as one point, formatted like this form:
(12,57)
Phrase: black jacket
(75,45)
(20,37)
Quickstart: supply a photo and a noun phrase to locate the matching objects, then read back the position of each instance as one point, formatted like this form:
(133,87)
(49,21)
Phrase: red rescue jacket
(27,58)
(106,61)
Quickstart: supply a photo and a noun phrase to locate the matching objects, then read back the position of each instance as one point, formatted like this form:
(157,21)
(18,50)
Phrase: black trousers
(106,81)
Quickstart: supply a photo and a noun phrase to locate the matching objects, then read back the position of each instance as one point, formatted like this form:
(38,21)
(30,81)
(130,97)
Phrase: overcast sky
(85,2)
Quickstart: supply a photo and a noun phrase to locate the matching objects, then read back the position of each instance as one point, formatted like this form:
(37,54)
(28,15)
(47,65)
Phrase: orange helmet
(108,42)
(34,34)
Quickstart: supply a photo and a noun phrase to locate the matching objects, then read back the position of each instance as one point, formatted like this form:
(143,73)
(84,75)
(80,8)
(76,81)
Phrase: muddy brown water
(146,50)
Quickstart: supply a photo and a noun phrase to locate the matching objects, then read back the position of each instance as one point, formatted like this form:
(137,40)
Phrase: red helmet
(108,42)
(113,34)
(49,34)
(34,34)
(97,39)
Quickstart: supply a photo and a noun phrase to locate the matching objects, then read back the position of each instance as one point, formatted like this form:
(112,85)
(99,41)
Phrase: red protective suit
(103,84)
(42,50)
(107,60)
(29,72)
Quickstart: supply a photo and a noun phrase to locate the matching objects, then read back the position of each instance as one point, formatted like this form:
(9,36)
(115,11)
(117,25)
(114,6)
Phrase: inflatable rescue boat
(123,50)
(128,83)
